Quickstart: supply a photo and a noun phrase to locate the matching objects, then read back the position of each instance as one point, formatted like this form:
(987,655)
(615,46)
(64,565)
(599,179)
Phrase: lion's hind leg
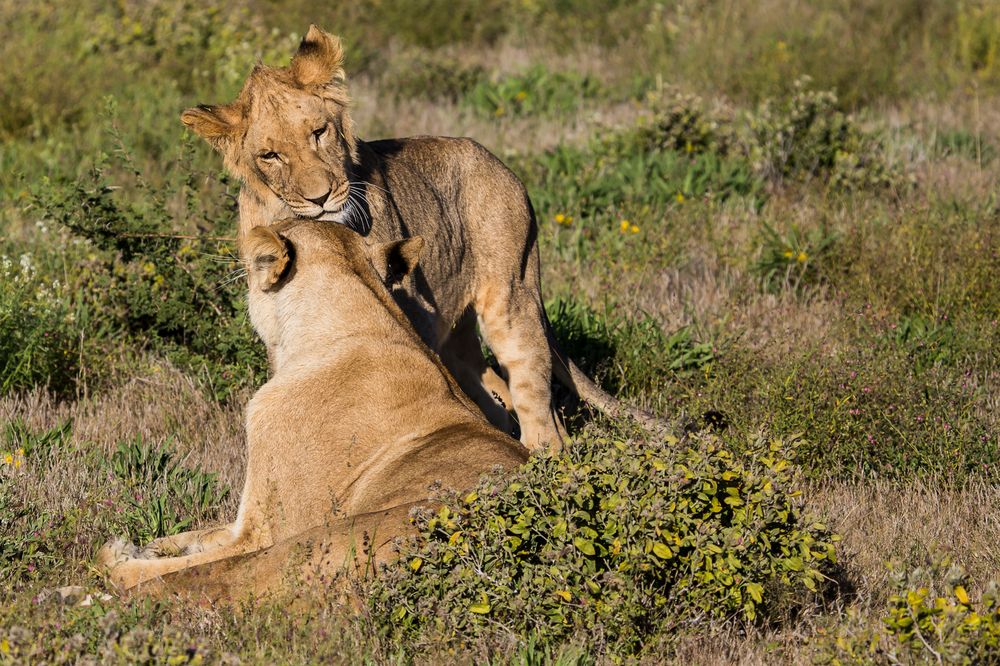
(512,323)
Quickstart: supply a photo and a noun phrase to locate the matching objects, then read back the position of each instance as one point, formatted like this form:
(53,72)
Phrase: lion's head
(289,134)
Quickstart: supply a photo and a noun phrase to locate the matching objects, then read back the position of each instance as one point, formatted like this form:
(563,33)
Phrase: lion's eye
(269,156)
(318,133)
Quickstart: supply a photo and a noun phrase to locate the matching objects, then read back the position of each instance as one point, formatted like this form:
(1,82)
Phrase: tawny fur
(358,422)
(290,139)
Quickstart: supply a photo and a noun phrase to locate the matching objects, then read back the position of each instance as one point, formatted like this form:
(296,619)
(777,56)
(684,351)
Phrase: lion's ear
(267,256)
(320,59)
(215,124)
(399,258)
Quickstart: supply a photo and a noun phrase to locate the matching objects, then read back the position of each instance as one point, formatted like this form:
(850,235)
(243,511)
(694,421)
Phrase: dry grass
(158,404)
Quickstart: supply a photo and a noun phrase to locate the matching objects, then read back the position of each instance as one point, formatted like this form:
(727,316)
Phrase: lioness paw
(114,553)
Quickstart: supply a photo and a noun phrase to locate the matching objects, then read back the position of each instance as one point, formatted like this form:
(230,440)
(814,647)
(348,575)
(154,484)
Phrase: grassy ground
(720,236)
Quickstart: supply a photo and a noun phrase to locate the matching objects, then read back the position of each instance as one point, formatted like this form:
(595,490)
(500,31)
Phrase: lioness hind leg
(463,356)
(513,327)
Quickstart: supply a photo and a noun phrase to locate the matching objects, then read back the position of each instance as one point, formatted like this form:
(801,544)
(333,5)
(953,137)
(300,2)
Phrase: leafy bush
(806,135)
(680,122)
(931,617)
(160,287)
(38,336)
(615,539)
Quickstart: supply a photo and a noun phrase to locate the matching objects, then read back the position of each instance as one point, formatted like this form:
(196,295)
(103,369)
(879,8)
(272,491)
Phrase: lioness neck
(333,325)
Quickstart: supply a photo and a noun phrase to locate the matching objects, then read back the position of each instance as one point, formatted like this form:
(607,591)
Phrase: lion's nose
(319,201)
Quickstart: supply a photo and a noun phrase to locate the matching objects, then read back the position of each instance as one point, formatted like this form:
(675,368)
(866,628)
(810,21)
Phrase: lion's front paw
(114,553)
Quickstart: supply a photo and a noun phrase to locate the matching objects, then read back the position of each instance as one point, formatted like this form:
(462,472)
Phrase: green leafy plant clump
(931,617)
(614,539)
(174,293)
(37,329)
(164,496)
(805,135)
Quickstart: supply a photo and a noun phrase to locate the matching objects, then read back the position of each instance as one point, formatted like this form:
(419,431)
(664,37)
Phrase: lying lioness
(358,421)
(290,140)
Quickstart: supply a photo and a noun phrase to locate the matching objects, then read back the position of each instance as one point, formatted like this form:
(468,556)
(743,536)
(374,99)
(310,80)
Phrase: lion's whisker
(367,184)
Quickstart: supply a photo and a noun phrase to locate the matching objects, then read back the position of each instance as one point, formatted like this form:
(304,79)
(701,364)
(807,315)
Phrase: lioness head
(289,133)
(300,273)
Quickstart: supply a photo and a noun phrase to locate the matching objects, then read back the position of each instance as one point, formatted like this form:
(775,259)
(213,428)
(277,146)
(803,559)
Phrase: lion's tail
(573,378)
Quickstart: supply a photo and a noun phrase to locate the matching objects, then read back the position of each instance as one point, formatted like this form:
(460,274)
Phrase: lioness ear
(215,124)
(400,258)
(319,60)
(267,256)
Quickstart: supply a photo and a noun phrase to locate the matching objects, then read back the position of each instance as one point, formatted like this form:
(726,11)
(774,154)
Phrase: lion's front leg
(127,566)
(186,543)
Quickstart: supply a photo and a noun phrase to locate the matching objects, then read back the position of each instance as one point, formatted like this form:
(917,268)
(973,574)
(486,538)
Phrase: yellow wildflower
(499,111)
(688,147)
(679,197)
(559,218)
(8,459)
(17,463)
(521,96)
(624,226)
(789,254)
(634,228)
(801,257)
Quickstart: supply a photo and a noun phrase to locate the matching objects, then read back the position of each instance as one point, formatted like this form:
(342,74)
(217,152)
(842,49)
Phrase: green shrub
(805,135)
(680,122)
(38,334)
(615,539)
(931,617)
(171,292)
